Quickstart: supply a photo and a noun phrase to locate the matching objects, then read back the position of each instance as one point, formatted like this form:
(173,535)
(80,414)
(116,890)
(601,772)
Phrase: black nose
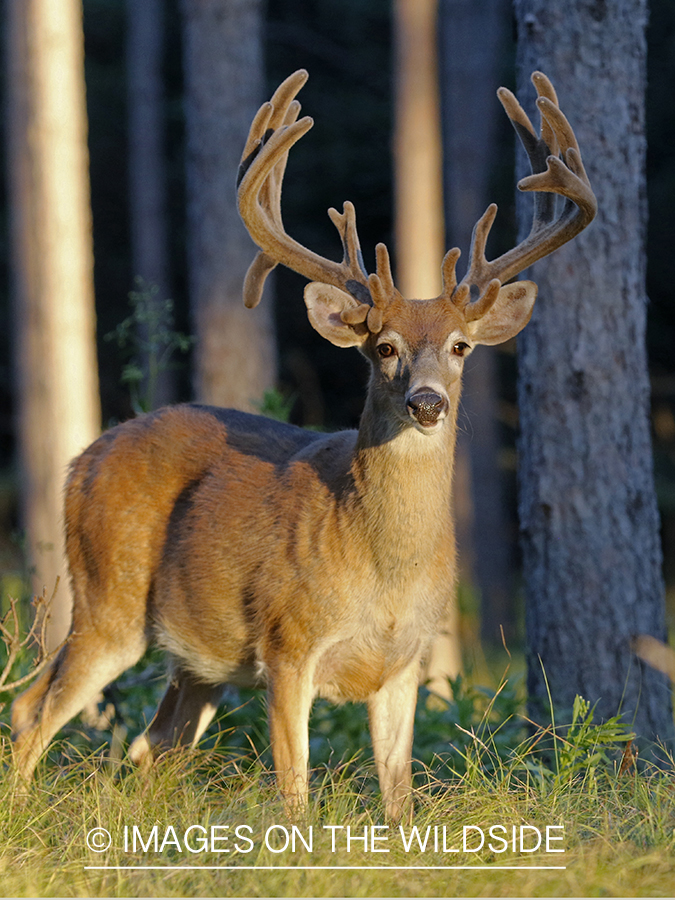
(426,406)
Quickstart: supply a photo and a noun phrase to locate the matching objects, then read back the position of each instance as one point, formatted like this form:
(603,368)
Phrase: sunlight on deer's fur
(258,552)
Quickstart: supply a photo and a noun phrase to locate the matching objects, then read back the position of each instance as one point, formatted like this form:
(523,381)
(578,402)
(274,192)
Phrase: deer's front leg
(289,696)
(391,712)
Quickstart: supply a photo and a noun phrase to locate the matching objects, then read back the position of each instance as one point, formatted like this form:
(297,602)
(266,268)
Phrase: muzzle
(427,406)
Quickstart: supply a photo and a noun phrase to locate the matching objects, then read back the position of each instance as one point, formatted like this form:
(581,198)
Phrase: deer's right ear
(325,305)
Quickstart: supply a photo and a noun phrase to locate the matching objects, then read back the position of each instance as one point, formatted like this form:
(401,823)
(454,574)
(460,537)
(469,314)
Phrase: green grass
(618,828)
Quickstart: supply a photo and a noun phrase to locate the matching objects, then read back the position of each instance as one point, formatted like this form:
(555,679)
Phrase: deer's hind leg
(183,715)
(83,667)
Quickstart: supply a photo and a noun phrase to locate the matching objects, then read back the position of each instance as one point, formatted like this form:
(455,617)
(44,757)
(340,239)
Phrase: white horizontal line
(324,868)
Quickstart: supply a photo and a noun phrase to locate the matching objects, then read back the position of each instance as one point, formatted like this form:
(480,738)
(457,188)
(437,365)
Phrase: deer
(256,552)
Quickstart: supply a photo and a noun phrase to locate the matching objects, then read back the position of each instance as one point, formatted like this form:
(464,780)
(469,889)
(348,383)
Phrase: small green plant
(276,405)
(586,745)
(149,339)
(558,756)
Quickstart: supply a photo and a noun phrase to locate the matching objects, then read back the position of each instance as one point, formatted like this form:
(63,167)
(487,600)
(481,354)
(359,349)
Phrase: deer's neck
(403,484)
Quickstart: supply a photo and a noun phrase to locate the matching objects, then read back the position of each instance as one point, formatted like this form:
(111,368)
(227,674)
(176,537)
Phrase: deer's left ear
(508,315)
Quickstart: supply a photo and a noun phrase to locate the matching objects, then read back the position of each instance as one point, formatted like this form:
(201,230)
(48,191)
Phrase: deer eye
(460,348)
(386,351)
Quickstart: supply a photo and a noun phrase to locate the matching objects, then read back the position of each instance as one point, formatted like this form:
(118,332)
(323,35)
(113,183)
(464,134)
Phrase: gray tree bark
(235,355)
(589,520)
(472,34)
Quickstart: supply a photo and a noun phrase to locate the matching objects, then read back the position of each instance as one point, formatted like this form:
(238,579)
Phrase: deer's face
(417,361)
(417,348)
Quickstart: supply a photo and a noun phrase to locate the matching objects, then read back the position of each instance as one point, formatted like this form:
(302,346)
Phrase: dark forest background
(347,47)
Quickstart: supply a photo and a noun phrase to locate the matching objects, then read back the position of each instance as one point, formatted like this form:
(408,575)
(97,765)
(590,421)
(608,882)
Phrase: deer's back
(126,489)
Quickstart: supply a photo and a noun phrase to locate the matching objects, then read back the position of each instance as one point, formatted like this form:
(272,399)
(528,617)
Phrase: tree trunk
(418,179)
(588,511)
(418,170)
(472,37)
(147,177)
(52,259)
(235,355)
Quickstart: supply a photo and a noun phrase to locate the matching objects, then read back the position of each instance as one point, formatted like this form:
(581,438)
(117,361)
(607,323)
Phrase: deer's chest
(355,669)
(373,646)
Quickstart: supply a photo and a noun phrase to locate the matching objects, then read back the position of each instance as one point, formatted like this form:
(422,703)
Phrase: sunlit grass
(617,828)
(479,765)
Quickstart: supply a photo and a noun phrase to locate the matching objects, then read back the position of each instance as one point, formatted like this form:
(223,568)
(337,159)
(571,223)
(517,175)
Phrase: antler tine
(254,280)
(382,289)
(478,308)
(285,95)
(538,149)
(478,274)
(352,258)
(383,270)
(254,139)
(273,133)
(551,176)
(285,112)
(481,230)
(271,189)
(448,271)
(545,89)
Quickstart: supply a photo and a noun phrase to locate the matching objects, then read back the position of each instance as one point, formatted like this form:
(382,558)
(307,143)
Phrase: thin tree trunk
(235,355)
(418,182)
(472,40)
(419,217)
(52,258)
(147,176)
(588,511)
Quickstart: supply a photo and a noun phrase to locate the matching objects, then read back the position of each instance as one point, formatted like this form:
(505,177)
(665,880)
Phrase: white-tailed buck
(255,552)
